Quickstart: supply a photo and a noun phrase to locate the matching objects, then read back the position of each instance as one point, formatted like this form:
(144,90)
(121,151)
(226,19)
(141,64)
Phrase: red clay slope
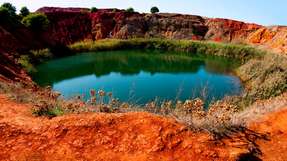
(109,137)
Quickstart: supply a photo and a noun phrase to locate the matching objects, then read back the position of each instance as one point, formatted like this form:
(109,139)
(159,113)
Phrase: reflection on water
(141,76)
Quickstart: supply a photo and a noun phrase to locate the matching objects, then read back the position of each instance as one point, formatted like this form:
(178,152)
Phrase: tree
(4,15)
(154,10)
(24,11)
(11,9)
(36,21)
(94,9)
(130,9)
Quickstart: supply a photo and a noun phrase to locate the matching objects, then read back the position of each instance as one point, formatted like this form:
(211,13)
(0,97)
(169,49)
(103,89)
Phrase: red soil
(130,136)
(99,136)
(274,124)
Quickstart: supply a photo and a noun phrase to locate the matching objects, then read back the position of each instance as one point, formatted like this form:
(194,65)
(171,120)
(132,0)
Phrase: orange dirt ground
(124,137)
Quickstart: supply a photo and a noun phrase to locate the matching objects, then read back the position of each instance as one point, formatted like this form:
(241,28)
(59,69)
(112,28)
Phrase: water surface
(140,76)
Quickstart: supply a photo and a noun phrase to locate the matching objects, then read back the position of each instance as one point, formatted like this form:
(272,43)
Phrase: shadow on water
(138,64)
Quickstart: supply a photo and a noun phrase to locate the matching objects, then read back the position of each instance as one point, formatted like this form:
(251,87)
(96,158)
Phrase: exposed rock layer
(70,25)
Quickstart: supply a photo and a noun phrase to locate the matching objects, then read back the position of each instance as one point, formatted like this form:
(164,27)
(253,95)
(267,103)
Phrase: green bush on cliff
(4,15)
(94,9)
(154,10)
(24,11)
(11,9)
(130,9)
(36,21)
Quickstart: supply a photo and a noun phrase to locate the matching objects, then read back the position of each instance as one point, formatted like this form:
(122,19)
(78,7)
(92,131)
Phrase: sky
(264,12)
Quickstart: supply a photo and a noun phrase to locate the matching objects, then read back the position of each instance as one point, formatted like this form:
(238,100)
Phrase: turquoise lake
(140,76)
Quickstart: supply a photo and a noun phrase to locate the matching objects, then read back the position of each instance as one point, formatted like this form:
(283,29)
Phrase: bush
(47,110)
(36,21)
(4,15)
(154,10)
(11,9)
(24,11)
(130,9)
(94,9)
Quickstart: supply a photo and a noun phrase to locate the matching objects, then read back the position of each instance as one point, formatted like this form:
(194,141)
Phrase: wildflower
(110,94)
(93,99)
(101,93)
(93,93)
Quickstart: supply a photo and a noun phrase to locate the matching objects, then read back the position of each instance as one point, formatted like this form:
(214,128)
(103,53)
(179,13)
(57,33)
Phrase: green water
(140,76)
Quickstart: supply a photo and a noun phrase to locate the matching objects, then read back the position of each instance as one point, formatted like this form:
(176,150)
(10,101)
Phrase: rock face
(229,30)
(273,38)
(69,25)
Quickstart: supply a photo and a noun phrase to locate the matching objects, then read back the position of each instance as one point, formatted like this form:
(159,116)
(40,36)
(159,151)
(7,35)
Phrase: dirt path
(118,137)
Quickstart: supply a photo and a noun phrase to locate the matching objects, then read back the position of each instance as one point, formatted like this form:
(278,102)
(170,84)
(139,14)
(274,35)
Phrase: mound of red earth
(130,136)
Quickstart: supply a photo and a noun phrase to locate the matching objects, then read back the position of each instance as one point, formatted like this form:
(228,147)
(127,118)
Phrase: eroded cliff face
(273,38)
(69,25)
(224,30)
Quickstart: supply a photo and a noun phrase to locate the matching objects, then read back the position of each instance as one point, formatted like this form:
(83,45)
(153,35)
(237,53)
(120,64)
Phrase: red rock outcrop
(225,30)
(272,38)
(69,25)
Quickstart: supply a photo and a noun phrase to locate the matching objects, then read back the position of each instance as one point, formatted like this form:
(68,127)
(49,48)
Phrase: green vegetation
(11,9)
(266,77)
(25,62)
(24,11)
(154,10)
(47,111)
(241,52)
(36,21)
(94,9)
(130,9)
(35,57)
(4,15)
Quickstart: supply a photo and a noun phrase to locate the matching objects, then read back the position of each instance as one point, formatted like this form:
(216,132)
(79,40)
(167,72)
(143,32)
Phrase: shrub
(25,62)
(47,110)
(4,15)
(36,21)
(154,10)
(94,9)
(24,11)
(11,9)
(130,9)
